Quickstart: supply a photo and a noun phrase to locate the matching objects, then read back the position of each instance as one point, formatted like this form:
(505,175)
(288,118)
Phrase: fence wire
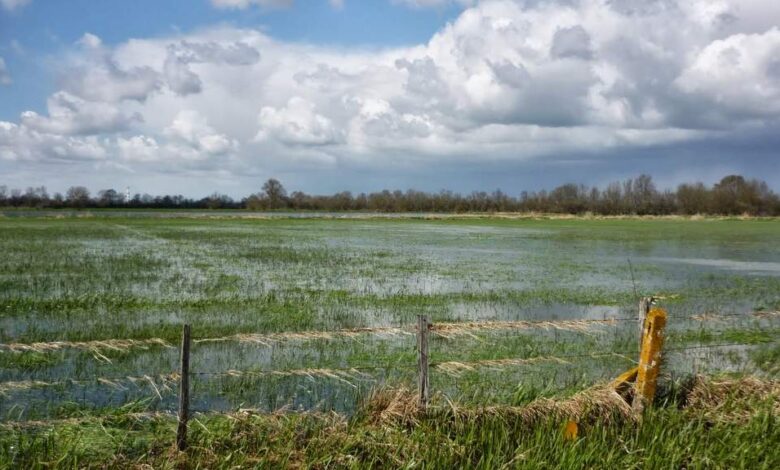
(163,382)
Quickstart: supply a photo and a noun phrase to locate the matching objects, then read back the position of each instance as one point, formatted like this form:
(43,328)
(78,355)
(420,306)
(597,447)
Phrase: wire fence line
(441,329)
(349,375)
(454,368)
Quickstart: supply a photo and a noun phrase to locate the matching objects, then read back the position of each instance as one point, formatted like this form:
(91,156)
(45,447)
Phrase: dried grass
(164,383)
(465,328)
(446,330)
(159,382)
(457,368)
(342,375)
(602,403)
(722,400)
(119,345)
(268,339)
(724,318)
(734,400)
(393,406)
(767,314)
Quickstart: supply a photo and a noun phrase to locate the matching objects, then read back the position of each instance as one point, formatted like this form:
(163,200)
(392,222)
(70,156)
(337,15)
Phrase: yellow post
(649,358)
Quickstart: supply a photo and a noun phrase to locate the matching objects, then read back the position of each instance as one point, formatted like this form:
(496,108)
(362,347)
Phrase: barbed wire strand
(325,371)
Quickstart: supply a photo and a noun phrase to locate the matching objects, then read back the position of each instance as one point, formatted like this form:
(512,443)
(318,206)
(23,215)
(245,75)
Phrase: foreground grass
(727,424)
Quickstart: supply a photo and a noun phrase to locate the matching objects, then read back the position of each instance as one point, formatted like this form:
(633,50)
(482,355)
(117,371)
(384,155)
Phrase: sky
(329,95)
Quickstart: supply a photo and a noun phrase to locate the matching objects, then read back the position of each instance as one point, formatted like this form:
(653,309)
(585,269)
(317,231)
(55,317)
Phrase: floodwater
(123,276)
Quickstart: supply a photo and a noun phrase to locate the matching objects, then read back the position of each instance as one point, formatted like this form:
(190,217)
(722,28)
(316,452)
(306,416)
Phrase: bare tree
(77,196)
(276,194)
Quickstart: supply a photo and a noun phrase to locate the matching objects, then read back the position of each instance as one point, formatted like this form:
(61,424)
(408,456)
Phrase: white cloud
(504,81)
(182,80)
(297,123)
(139,148)
(20,143)
(194,138)
(739,74)
(571,42)
(11,5)
(96,75)
(5,76)
(69,115)
(90,41)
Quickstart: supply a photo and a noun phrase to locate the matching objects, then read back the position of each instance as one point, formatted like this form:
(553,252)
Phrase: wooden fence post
(649,359)
(184,390)
(422,359)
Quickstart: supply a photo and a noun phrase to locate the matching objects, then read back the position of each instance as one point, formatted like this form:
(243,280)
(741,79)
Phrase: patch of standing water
(749,267)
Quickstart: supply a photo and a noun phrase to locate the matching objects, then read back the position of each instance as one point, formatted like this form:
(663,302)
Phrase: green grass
(668,437)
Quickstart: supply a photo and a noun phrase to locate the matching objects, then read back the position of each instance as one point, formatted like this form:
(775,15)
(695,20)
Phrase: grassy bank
(705,423)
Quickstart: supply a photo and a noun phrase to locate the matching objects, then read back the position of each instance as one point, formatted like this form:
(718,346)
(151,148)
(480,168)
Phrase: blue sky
(193,97)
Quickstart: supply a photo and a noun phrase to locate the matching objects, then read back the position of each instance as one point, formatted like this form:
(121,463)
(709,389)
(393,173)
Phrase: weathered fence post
(649,358)
(184,390)
(645,304)
(422,359)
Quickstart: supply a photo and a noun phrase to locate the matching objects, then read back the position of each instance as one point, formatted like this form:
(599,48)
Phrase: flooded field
(311,313)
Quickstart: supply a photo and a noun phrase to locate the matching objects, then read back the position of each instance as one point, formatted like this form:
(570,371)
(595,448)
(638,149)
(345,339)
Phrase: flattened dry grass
(457,368)
(158,383)
(118,345)
(732,399)
(442,329)
(445,329)
(448,330)
(598,404)
(721,400)
(723,318)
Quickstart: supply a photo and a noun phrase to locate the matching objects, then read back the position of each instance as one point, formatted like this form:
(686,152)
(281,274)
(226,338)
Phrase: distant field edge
(356,215)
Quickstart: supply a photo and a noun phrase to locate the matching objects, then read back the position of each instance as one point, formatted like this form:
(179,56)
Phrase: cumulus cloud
(139,148)
(172,148)
(505,81)
(69,115)
(96,75)
(5,76)
(741,74)
(194,138)
(21,143)
(571,42)
(182,80)
(297,123)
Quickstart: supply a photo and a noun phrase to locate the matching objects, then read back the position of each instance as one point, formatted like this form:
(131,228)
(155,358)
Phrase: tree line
(732,195)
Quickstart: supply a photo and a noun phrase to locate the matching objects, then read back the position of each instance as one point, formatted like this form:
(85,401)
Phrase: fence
(644,375)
